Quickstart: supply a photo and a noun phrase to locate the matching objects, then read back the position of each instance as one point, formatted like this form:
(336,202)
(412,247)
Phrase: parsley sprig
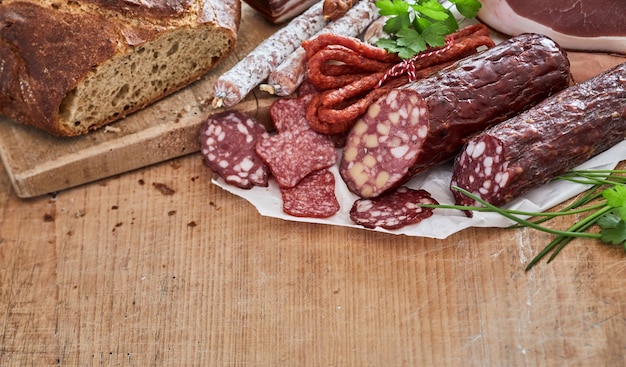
(604,205)
(415,25)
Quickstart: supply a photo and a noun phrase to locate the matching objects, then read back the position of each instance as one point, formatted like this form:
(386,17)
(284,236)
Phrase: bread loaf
(69,67)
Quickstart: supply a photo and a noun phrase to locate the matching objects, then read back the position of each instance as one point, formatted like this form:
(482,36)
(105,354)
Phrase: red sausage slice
(227,141)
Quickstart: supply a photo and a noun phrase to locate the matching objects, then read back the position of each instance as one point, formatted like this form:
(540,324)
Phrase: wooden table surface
(122,272)
(117,272)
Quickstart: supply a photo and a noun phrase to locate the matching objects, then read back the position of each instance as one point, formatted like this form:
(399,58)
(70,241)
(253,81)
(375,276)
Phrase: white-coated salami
(234,85)
(286,78)
(227,143)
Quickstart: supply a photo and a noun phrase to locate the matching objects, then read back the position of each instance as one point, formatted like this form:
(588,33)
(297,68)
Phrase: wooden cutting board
(38,163)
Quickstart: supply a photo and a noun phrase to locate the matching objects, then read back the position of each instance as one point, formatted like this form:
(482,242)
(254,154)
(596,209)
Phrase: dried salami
(545,141)
(313,197)
(286,78)
(227,143)
(393,210)
(230,88)
(426,122)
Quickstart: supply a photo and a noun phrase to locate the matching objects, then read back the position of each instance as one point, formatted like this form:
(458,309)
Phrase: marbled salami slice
(393,210)
(293,155)
(296,150)
(426,122)
(543,142)
(285,113)
(313,197)
(228,141)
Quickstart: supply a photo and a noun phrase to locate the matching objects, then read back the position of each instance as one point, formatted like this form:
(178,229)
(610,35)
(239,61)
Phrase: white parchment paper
(444,222)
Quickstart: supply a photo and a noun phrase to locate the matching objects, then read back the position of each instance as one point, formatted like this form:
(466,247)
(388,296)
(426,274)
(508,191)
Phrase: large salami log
(426,122)
(543,142)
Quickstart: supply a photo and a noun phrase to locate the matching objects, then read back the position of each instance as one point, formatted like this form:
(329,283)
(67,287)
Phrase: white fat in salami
(528,150)
(313,197)
(393,210)
(227,143)
(426,122)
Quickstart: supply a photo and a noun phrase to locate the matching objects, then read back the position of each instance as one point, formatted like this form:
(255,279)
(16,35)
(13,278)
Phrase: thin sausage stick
(288,76)
(249,72)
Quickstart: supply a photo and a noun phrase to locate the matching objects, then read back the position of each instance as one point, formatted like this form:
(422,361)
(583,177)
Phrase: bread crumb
(111,129)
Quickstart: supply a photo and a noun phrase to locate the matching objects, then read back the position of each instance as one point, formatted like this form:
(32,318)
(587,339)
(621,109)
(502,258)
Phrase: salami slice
(545,141)
(426,122)
(230,88)
(228,141)
(313,197)
(285,113)
(286,78)
(393,210)
(296,150)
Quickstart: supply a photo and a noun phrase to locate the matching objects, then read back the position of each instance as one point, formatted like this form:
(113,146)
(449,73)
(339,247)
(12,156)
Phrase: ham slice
(587,25)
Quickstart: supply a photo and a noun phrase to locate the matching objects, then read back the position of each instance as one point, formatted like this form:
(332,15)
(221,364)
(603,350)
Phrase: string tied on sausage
(407,66)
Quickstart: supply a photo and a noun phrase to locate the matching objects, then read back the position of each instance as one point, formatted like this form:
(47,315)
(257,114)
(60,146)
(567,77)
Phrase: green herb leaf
(615,196)
(467,8)
(604,207)
(414,26)
(615,235)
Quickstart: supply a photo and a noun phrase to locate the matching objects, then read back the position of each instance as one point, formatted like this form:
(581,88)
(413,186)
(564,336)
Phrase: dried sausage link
(426,122)
(231,87)
(559,133)
(284,80)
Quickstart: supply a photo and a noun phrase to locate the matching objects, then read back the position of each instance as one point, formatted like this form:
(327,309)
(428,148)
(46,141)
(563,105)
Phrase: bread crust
(47,50)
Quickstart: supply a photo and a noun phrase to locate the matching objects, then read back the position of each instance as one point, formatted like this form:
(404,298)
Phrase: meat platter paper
(444,222)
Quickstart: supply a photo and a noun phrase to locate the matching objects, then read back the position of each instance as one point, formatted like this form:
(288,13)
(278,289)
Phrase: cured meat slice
(285,113)
(293,155)
(313,197)
(426,122)
(296,150)
(227,143)
(588,25)
(335,9)
(393,210)
(543,142)
(231,87)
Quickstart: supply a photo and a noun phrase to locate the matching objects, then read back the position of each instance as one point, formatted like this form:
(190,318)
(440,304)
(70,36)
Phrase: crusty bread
(69,67)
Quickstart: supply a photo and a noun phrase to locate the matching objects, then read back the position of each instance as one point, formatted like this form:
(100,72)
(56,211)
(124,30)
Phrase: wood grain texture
(158,267)
(118,272)
(39,163)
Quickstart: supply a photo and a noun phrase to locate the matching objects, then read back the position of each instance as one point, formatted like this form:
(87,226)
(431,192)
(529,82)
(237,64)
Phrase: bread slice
(69,67)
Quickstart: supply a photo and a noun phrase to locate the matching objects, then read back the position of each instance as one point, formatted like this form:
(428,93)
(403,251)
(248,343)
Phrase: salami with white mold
(234,85)
(227,143)
(528,150)
(425,123)
(393,210)
(286,78)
